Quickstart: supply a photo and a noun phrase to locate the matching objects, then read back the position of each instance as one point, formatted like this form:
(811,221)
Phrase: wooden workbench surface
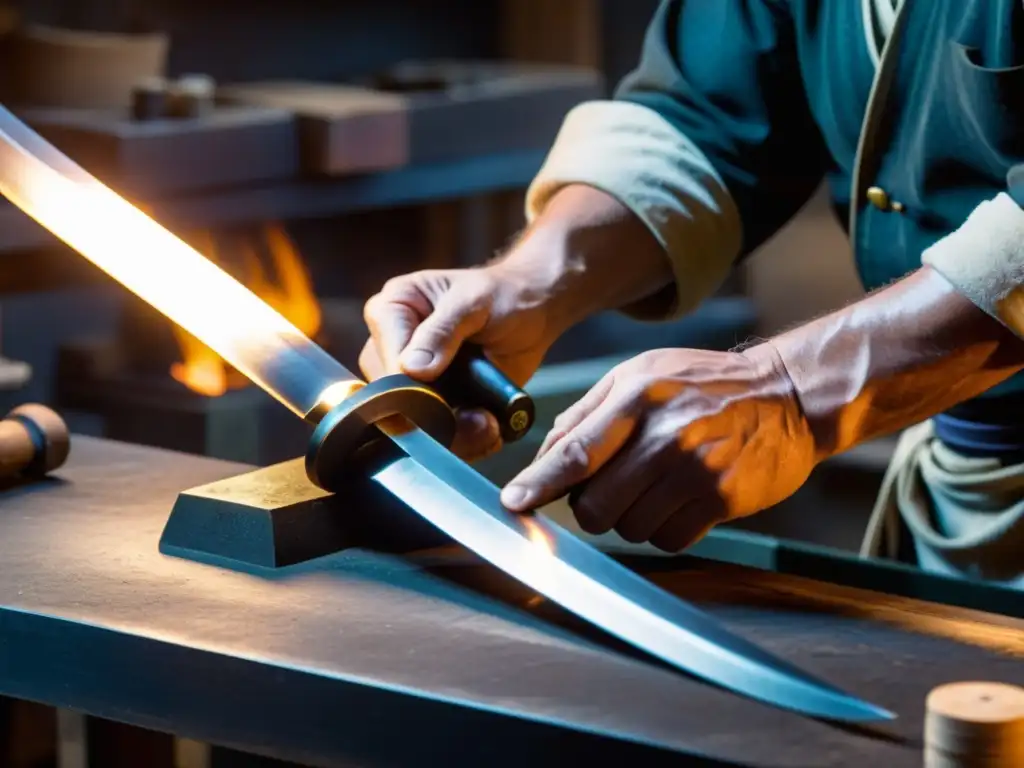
(435,660)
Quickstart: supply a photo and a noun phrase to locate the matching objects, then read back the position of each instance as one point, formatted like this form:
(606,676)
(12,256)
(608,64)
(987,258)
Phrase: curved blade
(454,497)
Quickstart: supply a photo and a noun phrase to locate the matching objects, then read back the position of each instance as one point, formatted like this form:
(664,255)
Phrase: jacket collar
(864,162)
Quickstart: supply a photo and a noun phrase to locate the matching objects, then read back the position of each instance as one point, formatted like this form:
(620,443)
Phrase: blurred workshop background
(314,149)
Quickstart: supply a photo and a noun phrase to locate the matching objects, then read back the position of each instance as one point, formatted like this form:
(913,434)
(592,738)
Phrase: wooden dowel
(34,441)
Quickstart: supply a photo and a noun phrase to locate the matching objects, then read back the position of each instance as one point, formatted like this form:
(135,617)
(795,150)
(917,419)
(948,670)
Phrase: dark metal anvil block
(274,517)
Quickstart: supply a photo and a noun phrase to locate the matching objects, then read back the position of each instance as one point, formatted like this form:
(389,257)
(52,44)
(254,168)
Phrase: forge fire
(266,261)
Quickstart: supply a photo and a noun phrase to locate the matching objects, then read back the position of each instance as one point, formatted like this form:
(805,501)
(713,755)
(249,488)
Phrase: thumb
(434,343)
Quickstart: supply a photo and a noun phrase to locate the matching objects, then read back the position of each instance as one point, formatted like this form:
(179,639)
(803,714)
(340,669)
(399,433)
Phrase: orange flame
(286,286)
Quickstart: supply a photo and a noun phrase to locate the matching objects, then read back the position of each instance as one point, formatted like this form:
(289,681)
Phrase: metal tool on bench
(411,422)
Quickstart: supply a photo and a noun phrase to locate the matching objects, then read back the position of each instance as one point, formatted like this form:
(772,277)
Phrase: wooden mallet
(34,441)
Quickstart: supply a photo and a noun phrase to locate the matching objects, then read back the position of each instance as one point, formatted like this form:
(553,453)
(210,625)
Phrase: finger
(573,416)
(495,447)
(434,343)
(683,477)
(687,525)
(370,362)
(615,488)
(574,458)
(477,435)
(392,316)
(653,508)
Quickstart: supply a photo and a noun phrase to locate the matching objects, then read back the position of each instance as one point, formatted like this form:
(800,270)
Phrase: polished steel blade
(547,558)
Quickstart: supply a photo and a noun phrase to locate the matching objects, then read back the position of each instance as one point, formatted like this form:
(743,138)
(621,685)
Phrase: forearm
(588,253)
(648,185)
(894,359)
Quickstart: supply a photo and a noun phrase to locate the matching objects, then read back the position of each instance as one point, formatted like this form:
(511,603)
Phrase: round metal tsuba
(347,434)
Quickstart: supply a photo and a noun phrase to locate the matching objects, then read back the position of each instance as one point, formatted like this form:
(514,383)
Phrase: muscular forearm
(588,253)
(894,359)
(661,190)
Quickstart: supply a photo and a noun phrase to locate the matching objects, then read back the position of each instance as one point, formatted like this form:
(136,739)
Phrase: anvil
(395,431)
(274,517)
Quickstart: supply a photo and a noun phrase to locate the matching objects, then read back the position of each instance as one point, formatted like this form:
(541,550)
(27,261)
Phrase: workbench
(434,658)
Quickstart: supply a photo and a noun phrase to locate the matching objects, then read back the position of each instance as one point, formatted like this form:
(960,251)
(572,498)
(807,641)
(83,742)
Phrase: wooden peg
(34,441)
(191,96)
(149,99)
(975,725)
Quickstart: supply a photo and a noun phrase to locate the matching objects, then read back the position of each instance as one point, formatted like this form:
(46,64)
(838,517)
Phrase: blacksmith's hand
(673,442)
(418,322)
(586,253)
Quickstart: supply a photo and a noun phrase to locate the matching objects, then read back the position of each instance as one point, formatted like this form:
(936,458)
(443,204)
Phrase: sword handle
(473,381)
(341,437)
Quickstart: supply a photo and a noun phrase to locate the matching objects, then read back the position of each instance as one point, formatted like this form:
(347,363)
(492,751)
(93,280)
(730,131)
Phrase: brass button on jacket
(879,198)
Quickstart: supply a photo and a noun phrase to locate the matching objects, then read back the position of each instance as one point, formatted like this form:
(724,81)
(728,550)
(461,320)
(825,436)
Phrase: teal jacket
(776,94)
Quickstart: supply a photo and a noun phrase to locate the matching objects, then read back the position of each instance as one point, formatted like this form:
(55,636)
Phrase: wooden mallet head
(34,441)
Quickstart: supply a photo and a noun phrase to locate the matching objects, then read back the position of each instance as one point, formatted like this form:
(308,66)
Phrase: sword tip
(853,710)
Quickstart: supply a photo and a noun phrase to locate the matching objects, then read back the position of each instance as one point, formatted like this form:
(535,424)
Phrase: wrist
(893,359)
(777,382)
(545,276)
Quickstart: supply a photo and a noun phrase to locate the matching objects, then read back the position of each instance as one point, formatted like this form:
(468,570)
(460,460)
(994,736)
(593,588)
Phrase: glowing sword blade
(193,292)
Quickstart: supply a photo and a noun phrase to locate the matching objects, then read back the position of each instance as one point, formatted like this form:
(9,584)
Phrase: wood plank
(342,129)
(424,112)
(565,32)
(229,147)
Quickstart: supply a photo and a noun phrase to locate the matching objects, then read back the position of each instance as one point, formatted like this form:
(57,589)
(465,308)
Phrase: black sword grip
(473,381)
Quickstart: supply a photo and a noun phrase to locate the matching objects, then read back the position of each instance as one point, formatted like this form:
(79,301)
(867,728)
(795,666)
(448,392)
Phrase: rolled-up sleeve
(710,141)
(984,258)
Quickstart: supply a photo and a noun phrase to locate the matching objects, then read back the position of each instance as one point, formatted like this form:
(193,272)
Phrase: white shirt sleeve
(984,260)
(632,153)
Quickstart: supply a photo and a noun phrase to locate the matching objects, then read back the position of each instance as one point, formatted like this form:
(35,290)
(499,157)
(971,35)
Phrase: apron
(963,515)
